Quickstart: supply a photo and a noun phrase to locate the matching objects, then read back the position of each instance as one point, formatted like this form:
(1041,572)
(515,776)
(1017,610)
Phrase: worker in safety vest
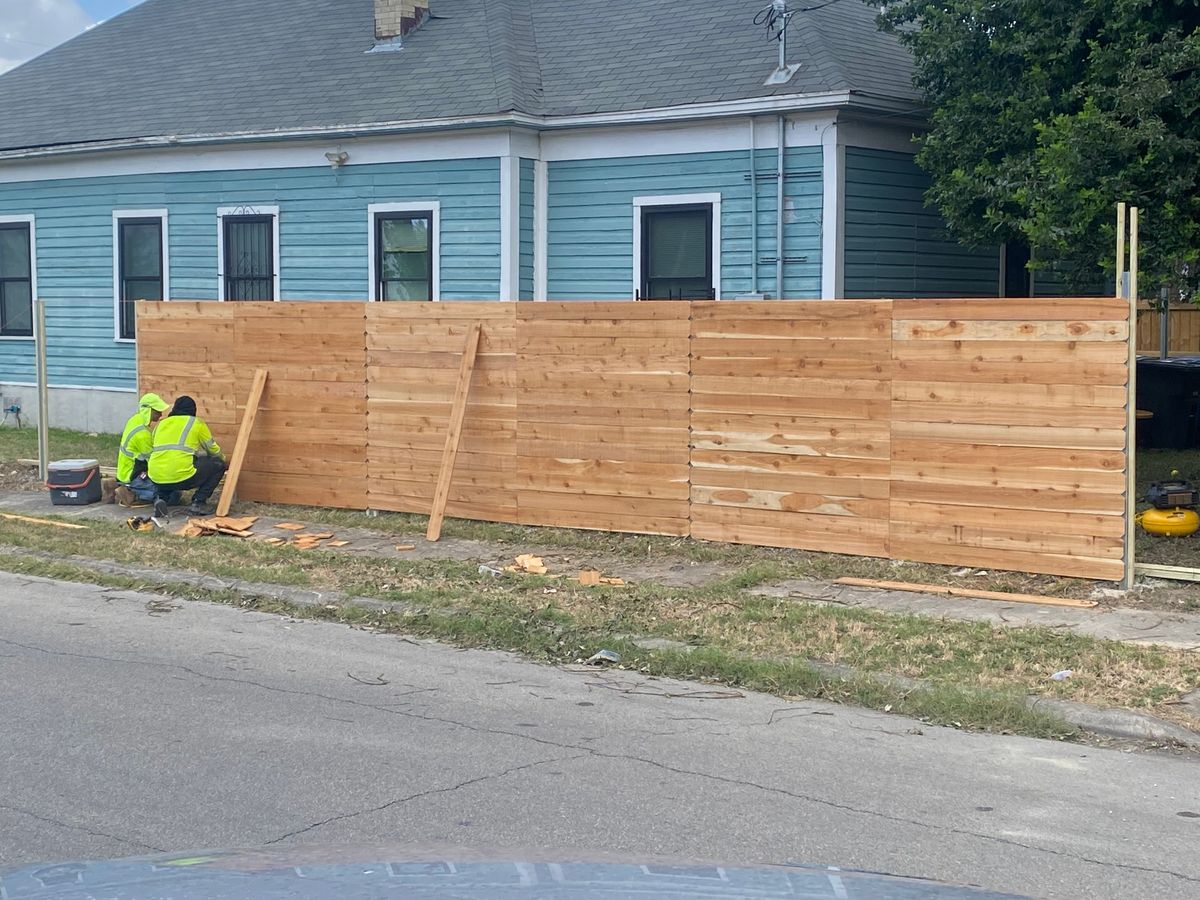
(137,440)
(185,456)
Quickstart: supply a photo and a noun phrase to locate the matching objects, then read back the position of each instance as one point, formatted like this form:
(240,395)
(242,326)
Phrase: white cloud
(31,27)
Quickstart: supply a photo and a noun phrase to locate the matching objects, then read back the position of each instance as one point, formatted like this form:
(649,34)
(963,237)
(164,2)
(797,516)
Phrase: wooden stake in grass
(29,521)
(243,442)
(965,592)
(458,412)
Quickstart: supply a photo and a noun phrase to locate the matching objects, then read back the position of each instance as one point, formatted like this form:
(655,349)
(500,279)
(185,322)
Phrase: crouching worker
(184,457)
(137,440)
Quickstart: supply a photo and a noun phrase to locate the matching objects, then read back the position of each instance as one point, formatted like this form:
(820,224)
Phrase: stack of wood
(240,527)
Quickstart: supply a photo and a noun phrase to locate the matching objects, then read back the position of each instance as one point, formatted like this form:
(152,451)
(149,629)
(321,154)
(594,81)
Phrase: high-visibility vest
(177,440)
(137,440)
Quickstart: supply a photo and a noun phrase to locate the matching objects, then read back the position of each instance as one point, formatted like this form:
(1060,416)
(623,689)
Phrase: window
(677,254)
(249,253)
(404,251)
(1015,278)
(140,264)
(16,279)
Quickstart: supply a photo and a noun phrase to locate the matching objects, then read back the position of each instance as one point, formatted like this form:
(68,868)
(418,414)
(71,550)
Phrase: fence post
(1131,406)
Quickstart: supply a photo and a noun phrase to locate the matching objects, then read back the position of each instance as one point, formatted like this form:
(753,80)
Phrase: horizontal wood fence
(1184,326)
(976,432)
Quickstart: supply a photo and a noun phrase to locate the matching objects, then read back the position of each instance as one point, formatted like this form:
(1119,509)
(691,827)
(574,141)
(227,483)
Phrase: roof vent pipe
(777,18)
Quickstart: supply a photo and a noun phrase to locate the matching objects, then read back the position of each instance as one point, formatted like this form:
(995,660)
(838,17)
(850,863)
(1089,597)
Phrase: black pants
(209,472)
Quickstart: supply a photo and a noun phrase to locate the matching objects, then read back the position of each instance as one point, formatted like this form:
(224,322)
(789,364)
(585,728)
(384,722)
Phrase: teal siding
(527,213)
(590,255)
(896,246)
(324,244)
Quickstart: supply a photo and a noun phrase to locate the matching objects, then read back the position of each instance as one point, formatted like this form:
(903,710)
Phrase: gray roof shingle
(186,68)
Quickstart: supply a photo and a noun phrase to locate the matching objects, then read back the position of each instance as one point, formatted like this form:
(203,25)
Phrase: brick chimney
(398,18)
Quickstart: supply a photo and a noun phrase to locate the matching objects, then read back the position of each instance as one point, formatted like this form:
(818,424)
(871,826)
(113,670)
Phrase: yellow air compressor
(1170,522)
(1173,514)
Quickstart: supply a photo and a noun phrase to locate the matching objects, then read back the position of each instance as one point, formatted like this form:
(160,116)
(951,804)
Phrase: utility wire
(778,20)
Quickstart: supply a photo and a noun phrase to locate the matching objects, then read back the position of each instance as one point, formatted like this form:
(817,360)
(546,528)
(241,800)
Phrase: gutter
(693,112)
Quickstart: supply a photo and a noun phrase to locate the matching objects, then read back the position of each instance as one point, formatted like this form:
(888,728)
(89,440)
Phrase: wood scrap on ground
(30,521)
(405,548)
(290,526)
(593,578)
(241,527)
(968,593)
(528,564)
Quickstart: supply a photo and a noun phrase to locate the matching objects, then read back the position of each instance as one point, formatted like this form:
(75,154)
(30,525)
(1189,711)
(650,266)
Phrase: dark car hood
(360,874)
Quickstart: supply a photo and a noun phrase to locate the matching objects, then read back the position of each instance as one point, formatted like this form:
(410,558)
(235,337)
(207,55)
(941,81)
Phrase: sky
(31,27)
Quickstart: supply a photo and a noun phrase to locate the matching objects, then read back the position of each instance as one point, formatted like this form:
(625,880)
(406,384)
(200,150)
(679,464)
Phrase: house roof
(178,68)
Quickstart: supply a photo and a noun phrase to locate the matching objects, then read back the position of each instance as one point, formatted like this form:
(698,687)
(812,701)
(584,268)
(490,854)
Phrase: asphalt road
(130,725)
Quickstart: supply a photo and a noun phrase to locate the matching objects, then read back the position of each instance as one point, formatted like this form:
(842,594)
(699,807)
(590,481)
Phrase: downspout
(753,209)
(779,210)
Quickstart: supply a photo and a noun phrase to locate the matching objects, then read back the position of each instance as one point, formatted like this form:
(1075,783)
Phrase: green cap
(154,402)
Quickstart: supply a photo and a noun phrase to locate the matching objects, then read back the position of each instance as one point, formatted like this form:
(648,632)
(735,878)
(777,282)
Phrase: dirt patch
(16,477)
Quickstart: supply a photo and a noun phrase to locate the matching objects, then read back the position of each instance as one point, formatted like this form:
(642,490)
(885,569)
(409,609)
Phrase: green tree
(1045,113)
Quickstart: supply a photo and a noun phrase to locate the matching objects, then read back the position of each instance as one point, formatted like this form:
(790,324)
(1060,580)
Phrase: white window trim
(259,210)
(640,203)
(117,216)
(31,221)
(433,207)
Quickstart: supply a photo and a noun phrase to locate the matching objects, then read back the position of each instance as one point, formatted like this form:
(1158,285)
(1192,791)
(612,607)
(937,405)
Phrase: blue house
(441,150)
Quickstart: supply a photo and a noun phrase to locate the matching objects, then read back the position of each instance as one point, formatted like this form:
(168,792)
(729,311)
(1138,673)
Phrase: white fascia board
(791,103)
(804,130)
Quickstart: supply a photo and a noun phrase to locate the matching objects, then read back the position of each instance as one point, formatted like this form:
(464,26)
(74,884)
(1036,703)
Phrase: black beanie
(184,406)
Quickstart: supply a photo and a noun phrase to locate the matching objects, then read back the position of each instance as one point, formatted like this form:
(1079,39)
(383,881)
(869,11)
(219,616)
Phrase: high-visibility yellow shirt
(137,440)
(177,440)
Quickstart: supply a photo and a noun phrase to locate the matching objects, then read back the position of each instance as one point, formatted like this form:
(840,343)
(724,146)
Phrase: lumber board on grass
(238,460)
(453,434)
(969,593)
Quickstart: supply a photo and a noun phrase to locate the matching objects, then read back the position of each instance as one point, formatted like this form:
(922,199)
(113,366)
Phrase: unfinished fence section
(1008,434)
(978,433)
(1183,330)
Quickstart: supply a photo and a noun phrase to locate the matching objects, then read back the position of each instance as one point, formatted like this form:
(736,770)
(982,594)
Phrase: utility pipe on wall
(39,325)
(779,211)
(753,209)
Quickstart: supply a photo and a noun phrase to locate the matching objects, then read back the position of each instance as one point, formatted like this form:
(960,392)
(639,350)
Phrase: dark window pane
(404,256)
(679,245)
(249,258)
(141,250)
(14,251)
(16,308)
(407,290)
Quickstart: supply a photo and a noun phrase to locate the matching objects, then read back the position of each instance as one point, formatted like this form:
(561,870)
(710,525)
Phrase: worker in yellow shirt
(137,440)
(184,457)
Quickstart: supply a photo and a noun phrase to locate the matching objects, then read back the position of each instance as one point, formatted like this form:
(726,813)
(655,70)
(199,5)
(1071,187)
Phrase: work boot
(160,510)
(200,508)
(123,496)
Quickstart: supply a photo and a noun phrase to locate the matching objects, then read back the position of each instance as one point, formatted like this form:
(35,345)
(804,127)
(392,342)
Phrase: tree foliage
(1045,113)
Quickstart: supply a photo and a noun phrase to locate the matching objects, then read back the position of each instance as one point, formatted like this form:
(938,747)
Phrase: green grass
(22,443)
(976,673)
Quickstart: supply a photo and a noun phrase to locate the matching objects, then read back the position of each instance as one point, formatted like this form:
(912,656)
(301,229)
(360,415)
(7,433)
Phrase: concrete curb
(1115,723)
